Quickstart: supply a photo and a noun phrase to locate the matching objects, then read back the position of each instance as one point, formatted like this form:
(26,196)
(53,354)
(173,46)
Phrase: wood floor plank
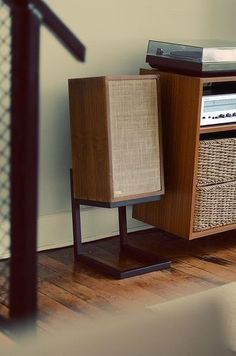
(218,271)
(103,285)
(71,289)
(65,297)
(50,308)
(202,274)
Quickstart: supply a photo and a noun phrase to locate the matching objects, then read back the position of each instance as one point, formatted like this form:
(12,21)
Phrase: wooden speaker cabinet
(185,203)
(117,161)
(116,138)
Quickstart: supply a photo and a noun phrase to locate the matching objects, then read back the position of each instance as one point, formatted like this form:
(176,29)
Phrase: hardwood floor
(74,290)
(65,286)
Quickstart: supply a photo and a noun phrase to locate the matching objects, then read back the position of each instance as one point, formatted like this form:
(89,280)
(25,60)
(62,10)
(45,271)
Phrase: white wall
(116,35)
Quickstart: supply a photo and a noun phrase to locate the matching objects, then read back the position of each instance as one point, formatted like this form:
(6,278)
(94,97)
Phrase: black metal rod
(59,29)
(76,221)
(24,163)
(54,24)
(123,226)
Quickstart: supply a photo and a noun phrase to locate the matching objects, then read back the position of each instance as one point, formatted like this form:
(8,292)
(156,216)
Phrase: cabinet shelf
(181,97)
(213,231)
(217,128)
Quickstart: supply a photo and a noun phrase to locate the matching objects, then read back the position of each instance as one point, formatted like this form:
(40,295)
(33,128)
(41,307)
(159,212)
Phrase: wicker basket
(217,161)
(215,206)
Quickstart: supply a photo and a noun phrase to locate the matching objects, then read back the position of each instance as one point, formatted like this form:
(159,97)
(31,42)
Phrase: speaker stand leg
(76,221)
(123,226)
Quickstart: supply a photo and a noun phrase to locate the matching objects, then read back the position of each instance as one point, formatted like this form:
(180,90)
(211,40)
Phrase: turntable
(202,58)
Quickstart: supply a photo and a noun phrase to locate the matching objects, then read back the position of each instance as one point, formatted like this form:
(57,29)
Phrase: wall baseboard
(55,231)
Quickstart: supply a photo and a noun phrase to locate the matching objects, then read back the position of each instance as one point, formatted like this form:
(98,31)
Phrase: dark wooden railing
(27,17)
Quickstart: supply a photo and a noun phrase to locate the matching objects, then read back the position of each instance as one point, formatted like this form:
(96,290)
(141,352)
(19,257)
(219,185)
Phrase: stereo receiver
(218,109)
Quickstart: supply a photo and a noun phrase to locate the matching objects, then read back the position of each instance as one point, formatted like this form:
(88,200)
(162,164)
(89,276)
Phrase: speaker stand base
(125,261)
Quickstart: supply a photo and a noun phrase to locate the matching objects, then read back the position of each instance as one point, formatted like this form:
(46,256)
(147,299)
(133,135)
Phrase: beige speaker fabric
(134,136)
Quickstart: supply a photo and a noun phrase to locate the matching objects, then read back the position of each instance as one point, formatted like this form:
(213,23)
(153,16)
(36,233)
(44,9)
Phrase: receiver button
(228,115)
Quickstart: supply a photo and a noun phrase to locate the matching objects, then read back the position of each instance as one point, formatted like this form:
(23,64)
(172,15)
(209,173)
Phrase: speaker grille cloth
(134,137)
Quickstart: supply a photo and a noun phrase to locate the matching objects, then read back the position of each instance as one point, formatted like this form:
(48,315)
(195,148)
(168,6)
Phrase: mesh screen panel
(135,138)
(5,101)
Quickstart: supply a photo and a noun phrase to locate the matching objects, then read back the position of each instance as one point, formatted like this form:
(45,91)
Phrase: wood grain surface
(116,138)
(69,290)
(89,139)
(181,97)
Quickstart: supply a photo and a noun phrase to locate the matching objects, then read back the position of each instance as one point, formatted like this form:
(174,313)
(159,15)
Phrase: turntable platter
(187,58)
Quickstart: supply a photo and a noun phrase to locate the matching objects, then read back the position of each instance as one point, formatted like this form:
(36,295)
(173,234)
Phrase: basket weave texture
(215,206)
(215,202)
(217,161)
